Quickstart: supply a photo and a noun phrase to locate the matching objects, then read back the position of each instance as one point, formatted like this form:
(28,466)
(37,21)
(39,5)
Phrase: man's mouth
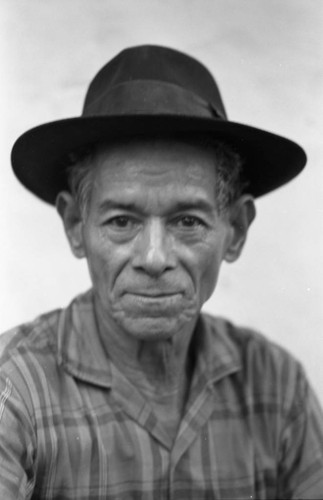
(153,302)
(153,294)
(153,297)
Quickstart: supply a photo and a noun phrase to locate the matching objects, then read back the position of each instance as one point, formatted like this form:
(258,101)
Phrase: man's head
(155,218)
(154,211)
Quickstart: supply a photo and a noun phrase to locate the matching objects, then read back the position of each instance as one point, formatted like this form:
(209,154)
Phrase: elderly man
(131,392)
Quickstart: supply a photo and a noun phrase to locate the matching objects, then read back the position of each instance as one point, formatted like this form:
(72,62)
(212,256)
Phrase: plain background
(267,56)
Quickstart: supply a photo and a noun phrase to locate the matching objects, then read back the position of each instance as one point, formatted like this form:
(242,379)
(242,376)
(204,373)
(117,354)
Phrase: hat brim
(37,156)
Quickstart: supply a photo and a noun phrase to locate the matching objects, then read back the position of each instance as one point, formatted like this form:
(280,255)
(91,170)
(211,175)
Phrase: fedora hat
(151,90)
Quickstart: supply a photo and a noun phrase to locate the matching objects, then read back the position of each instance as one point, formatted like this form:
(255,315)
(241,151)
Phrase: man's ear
(241,216)
(71,216)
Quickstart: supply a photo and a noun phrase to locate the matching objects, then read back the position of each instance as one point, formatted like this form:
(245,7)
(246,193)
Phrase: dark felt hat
(151,90)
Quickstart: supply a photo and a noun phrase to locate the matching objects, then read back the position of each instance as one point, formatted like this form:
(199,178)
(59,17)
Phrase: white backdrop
(267,58)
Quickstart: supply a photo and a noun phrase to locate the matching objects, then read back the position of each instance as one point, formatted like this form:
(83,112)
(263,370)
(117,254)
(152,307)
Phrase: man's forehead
(167,168)
(173,160)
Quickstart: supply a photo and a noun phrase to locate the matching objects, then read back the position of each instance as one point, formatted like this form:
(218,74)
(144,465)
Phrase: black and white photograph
(161,221)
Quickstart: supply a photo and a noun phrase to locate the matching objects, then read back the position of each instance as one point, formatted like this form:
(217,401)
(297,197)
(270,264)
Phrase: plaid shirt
(73,427)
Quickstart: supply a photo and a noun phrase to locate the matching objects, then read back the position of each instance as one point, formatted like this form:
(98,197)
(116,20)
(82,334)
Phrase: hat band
(150,97)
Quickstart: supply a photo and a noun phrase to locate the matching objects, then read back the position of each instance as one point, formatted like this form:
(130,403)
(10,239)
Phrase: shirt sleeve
(301,464)
(17,445)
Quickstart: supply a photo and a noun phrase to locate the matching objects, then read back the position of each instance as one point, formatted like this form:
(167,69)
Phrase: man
(131,392)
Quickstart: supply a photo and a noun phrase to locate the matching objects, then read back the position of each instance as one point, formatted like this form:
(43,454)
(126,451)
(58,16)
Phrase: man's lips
(156,300)
(152,303)
(153,294)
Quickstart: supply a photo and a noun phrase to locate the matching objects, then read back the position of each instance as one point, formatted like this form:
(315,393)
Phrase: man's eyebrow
(117,205)
(199,204)
(176,206)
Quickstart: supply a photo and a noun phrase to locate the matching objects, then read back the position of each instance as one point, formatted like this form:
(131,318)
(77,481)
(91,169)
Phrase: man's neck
(160,369)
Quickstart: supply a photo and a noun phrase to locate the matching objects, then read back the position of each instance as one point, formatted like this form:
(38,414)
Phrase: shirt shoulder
(268,372)
(35,336)
(29,352)
(39,336)
(247,344)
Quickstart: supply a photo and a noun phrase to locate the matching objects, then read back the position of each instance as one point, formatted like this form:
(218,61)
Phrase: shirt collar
(217,354)
(82,353)
(80,349)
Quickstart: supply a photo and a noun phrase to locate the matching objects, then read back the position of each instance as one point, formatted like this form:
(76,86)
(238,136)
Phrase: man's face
(153,238)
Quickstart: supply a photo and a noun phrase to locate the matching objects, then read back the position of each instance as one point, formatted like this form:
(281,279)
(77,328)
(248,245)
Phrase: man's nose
(154,249)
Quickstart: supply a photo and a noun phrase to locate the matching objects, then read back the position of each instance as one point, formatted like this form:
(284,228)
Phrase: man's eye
(189,221)
(121,221)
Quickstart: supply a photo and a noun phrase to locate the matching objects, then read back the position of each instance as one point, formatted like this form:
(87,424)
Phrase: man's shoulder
(31,354)
(266,373)
(243,338)
(34,338)
(36,335)
(257,355)
(27,355)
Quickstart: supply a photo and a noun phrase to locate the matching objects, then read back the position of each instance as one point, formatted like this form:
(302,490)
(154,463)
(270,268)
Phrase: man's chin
(154,328)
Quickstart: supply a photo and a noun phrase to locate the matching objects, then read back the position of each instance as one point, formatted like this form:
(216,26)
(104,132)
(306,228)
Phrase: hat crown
(148,90)
(159,64)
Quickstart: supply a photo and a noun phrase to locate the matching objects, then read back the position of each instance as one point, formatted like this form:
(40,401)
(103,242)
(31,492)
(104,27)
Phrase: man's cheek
(208,278)
(99,272)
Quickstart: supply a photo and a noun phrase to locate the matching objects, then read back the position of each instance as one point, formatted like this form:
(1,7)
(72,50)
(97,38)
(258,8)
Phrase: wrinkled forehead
(154,163)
